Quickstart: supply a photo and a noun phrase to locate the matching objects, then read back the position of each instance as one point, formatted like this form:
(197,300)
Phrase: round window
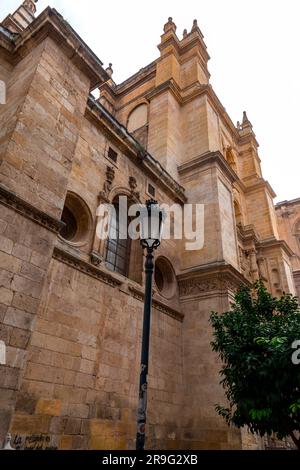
(69,231)
(77,220)
(159,278)
(164,277)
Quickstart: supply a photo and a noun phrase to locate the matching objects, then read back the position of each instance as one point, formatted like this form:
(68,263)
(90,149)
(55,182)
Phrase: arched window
(137,123)
(238,213)
(123,255)
(77,220)
(118,247)
(138,118)
(164,277)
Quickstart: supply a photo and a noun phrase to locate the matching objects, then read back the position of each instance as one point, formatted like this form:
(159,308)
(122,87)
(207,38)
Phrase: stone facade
(288,215)
(72,326)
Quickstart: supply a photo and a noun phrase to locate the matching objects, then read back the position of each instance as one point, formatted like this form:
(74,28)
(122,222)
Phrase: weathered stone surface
(48,407)
(21,252)
(71,326)
(19,338)
(29,425)
(73,426)
(25,404)
(24,302)
(19,319)
(6,244)
(6,296)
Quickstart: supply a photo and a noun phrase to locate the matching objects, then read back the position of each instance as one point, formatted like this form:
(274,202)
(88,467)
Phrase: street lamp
(151,227)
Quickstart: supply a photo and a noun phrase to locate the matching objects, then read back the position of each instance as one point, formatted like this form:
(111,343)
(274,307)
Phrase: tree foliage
(255,343)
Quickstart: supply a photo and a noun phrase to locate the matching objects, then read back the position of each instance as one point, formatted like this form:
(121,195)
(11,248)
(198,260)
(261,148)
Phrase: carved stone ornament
(133,185)
(30,4)
(262,268)
(197,286)
(96,259)
(110,176)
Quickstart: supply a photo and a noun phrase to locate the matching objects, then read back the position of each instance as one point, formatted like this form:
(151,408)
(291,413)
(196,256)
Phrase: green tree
(255,343)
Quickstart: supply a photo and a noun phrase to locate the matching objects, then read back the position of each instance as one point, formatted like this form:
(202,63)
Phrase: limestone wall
(80,385)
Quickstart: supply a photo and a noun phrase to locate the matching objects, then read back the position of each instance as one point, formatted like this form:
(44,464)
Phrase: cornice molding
(14,202)
(260,184)
(284,204)
(168,85)
(296,274)
(85,267)
(248,139)
(274,243)
(143,75)
(189,43)
(7,40)
(209,280)
(51,23)
(207,159)
(157,304)
(247,233)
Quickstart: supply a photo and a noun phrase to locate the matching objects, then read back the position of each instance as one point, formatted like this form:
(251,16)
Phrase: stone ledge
(207,280)
(111,279)
(208,158)
(259,184)
(157,304)
(274,243)
(14,202)
(84,267)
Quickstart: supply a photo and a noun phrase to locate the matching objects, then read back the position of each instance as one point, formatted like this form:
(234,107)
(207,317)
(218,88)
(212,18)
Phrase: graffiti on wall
(33,442)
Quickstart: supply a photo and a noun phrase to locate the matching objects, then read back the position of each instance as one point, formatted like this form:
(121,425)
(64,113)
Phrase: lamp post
(151,226)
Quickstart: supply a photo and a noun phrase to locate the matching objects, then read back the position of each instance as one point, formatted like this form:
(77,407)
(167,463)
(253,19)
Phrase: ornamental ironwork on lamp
(151,229)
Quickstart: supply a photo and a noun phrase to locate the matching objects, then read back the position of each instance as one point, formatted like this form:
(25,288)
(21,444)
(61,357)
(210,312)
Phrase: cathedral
(71,304)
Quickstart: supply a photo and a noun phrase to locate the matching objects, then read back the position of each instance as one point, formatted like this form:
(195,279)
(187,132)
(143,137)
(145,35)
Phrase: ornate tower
(22,17)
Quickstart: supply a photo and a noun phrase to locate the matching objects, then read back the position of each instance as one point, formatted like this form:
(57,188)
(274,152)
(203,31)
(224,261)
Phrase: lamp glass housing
(151,224)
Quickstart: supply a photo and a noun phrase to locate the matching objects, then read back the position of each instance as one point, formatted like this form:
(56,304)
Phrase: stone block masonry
(70,322)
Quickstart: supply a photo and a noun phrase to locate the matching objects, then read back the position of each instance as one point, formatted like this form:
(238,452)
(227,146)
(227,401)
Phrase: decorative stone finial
(246,122)
(30,5)
(7,445)
(185,33)
(170,25)
(109,70)
(195,25)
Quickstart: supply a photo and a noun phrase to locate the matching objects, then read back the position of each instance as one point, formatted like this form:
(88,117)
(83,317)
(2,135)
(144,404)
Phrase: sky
(254,66)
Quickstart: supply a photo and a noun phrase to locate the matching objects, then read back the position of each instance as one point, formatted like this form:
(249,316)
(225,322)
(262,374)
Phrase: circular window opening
(77,220)
(164,277)
(159,278)
(70,229)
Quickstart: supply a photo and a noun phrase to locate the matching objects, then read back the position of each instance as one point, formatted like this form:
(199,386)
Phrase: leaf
(254,341)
